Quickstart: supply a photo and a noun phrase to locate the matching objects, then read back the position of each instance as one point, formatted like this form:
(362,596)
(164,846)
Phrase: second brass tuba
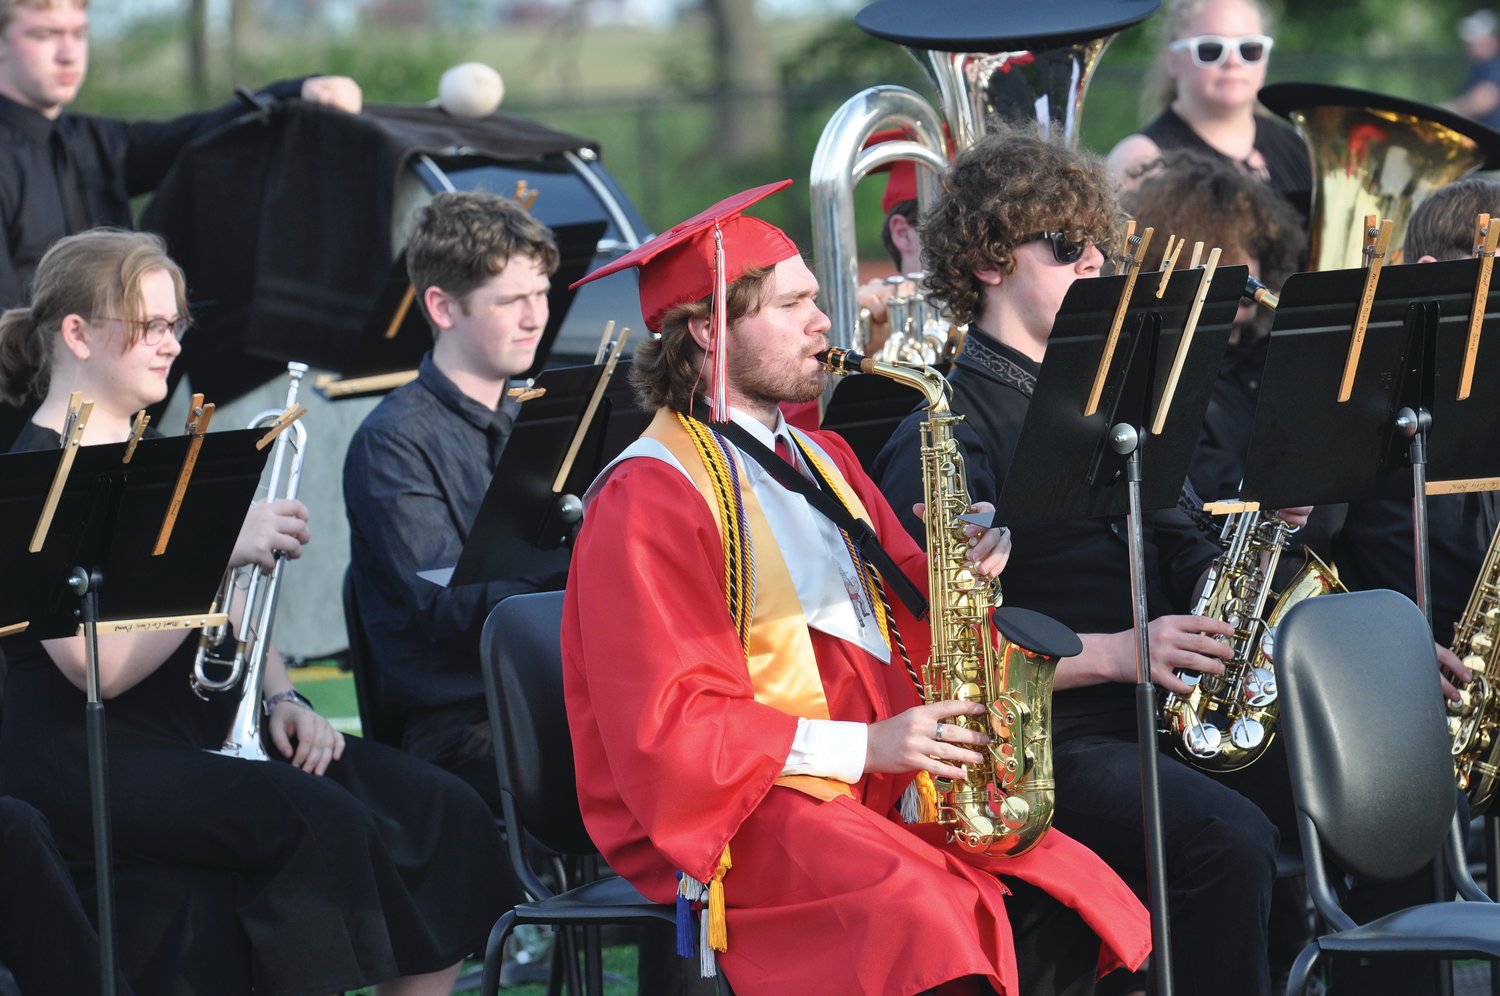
(990,60)
(1373,154)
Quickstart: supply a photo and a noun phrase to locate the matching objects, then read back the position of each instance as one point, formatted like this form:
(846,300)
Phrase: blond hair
(8,7)
(1160,89)
(93,273)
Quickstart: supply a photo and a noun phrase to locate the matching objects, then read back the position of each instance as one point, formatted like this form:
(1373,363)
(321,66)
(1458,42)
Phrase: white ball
(470,90)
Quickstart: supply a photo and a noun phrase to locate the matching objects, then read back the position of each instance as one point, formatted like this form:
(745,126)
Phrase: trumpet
(238,651)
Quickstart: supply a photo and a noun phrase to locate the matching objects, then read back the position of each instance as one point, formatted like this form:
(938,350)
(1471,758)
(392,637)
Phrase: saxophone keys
(1260,687)
(1246,733)
(1202,739)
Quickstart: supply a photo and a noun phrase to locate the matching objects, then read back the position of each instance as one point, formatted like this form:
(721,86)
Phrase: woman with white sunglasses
(1202,95)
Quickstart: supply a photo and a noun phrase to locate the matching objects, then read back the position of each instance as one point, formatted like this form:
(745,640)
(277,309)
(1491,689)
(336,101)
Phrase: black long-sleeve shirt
(1076,571)
(414,477)
(61,175)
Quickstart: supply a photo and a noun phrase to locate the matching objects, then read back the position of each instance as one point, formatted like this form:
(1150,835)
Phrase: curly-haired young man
(1019,220)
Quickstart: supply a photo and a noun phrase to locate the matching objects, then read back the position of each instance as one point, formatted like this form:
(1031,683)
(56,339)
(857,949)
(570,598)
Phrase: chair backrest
(375,720)
(1366,732)
(521,652)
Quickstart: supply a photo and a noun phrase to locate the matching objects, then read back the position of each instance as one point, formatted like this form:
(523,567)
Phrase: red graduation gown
(676,758)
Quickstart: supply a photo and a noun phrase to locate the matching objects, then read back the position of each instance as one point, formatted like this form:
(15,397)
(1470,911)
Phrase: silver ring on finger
(940,731)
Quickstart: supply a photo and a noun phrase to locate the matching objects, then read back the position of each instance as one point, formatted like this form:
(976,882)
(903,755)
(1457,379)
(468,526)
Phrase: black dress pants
(1220,851)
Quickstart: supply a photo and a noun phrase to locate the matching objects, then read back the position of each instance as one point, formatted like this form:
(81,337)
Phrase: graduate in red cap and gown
(740,687)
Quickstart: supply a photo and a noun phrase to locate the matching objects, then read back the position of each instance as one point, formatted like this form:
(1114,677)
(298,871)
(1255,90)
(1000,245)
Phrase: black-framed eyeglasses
(1213,50)
(154,329)
(1064,249)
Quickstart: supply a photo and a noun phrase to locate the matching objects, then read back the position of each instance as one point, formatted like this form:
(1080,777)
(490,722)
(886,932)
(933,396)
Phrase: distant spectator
(1480,98)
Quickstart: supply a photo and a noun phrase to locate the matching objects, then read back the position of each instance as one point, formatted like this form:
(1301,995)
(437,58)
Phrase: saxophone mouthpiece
(842,362)
(1261,294)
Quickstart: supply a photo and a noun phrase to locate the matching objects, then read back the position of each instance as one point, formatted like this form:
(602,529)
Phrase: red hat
(700,257)
(901,175)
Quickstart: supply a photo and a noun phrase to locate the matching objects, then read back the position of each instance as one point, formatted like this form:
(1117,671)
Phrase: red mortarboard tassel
(718,342)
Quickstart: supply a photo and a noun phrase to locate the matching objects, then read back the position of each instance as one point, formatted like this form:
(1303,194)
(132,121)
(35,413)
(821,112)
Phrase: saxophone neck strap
(820,496)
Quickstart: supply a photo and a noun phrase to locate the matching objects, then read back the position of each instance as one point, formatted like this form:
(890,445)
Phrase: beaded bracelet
(291,694)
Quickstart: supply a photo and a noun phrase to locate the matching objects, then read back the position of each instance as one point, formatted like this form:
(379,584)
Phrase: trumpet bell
(1374,155)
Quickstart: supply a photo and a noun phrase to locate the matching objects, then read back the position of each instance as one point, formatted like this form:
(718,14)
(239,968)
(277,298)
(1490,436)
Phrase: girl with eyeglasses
(1201,95)
(336,864)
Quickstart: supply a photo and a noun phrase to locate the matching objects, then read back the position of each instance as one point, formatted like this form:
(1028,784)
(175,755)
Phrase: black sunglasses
(1064,249)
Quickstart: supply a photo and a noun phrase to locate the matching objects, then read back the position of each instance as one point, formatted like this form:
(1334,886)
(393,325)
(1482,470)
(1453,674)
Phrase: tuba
(1474,721)
(1226,721)
(1374,155)
(235,654)
(1004,806)
(1040,76)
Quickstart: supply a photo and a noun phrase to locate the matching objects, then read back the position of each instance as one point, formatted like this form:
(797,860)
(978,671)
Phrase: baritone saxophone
(1004,806)
(1474,719)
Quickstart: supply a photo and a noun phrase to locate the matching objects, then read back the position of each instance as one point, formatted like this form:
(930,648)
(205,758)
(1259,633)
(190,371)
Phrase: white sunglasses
(1213,50)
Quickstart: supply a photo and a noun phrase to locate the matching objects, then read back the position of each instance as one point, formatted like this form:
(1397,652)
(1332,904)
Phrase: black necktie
(70,193)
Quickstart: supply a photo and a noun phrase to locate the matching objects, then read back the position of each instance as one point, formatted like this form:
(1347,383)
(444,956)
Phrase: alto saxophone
(1228,720)
(1474,719)
(1004,805)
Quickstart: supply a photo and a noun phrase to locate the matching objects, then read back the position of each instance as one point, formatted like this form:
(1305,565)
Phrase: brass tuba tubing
(839,162)
(1374,154)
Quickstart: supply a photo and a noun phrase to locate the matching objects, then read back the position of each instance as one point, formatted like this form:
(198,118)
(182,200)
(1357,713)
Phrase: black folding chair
(376,721)
(522,662)
(1372,776)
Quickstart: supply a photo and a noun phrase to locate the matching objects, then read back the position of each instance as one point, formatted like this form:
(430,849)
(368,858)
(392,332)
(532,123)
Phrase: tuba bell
(1374,154)
(1033,63)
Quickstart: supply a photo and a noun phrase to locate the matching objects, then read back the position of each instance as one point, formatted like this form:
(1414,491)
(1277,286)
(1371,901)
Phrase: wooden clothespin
(1486,238)
(588,413)
(137,430)
(1168,261)
(604,341)
(1375,254)
(72,437)
(279,426)
(1185,342)
(333,388)
(402,307)
(525,394)
(1197,256)
(1135,252)
(525,195)
(199,415)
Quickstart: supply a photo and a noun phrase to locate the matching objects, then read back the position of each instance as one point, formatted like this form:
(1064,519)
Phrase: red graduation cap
(701,257)
(901,175)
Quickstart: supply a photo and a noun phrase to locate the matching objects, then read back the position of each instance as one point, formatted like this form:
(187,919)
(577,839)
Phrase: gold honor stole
(778,646)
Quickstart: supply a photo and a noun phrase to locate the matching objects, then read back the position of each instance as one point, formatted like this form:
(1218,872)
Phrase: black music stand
(526,524)
(1069,465)
(397,334)
(95,569)
(1308,448)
